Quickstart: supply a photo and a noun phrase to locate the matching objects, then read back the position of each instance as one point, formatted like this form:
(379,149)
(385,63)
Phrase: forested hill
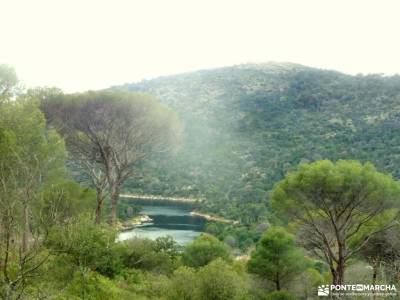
(247,125)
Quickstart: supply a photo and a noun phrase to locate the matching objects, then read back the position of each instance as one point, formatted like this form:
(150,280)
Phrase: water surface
(173,220)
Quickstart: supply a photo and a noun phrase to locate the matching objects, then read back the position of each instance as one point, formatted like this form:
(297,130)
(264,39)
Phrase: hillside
(247,125)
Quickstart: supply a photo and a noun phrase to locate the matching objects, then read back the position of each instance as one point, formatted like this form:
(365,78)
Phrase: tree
(86,245)
(109,133)
(338,208)
(64,200)
(167,245)
(219,281)
(183,284)
(277,258)
(203,250)
(159,256)
(86,284)
(382,248)
(31,161)
(8,82)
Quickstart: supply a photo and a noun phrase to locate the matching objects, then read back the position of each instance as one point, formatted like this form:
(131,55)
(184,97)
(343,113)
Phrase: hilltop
(245,126)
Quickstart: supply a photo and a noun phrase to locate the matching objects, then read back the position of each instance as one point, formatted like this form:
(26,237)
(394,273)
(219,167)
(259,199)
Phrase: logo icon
(323,290)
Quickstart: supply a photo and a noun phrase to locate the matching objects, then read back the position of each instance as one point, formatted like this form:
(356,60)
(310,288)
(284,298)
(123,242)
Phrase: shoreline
(209,217)
(134,222)
(166,199)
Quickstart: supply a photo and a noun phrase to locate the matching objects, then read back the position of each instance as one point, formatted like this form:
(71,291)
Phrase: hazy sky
(80,45)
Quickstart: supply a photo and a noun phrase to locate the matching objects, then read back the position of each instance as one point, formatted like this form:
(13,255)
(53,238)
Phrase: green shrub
(203,250)
(219,281)
(183,284)
(87,245)
(91,285)
(159,256)
(280,295)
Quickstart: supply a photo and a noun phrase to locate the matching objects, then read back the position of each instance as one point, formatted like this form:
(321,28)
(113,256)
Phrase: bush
(280,295)
(277,258)
(183,284)
(90,285)
(203,250)
(87,245)
(219,281)
(160,256)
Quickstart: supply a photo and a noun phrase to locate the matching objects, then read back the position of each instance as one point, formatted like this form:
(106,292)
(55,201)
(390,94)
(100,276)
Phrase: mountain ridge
(247,125)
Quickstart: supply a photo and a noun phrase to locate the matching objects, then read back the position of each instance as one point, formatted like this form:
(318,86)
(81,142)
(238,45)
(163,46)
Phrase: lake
(168,219)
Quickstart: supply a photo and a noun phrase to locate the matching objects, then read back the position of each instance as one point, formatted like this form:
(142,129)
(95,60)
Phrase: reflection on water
(170,220)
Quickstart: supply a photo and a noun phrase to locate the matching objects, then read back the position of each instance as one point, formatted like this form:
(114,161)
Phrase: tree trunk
(99,206)
(114,203)
(338,274)
(374,276)
(26,229)
(277,282)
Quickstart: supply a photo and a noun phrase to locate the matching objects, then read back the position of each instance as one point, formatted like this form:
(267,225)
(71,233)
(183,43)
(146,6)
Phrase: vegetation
(277,258)
(247,142)
(338,208)
(246,126)
(382,249)
(108,134)
(204,250)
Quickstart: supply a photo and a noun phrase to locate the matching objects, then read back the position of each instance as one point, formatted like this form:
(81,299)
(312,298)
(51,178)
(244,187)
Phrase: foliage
(277,258)
(90,285)
(244,128)
(109,133)
(127,210)
(8,82)
(65,200)
(337,207)
(167,245)
(280,295)
(159,256)
(203,250)
(87,245)
(306,283)
(237,236)
(219,281)
(31,162)
(248,125)
(382,253)
(183,284)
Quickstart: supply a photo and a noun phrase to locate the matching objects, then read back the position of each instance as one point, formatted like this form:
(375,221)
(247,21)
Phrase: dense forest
(304,161)
(248,125)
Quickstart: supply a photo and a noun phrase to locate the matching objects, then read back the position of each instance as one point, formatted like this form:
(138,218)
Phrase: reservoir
(168,219)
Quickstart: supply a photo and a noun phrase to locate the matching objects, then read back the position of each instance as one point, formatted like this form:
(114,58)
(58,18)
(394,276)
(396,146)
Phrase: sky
(78,45)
